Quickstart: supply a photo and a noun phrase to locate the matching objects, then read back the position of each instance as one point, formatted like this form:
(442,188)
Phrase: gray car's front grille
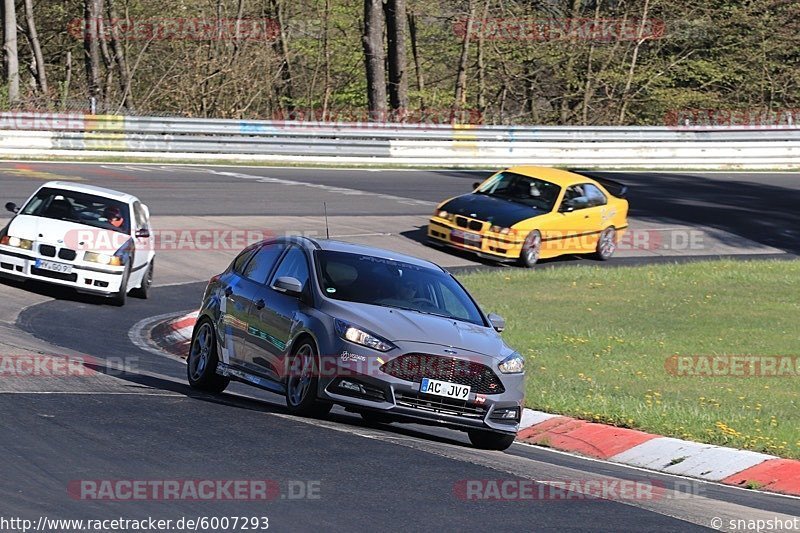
(448,406)
(415,366)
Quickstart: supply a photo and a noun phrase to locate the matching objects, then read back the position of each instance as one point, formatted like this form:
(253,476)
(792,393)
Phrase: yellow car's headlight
(103,259)
(16,242)
(501,230)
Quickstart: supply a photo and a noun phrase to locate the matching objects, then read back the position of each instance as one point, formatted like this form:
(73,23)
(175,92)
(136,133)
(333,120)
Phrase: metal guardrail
(79,135)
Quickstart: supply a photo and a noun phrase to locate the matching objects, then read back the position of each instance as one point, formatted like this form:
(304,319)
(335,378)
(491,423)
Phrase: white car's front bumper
(85,277)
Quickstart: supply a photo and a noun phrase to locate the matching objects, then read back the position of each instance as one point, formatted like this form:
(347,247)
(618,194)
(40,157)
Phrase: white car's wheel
(143,291)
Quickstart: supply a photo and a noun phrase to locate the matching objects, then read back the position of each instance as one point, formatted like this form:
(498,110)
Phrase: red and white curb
(600,441)
(174,335)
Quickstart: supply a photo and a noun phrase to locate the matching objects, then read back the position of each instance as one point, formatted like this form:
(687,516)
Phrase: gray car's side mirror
(143,233)
(11,206)
(497,322)
(288,285)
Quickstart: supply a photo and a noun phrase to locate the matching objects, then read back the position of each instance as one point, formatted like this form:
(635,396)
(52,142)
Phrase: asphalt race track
(133,417)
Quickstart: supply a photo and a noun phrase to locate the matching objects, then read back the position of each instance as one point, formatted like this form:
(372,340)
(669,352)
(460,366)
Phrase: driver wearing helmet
(113,215)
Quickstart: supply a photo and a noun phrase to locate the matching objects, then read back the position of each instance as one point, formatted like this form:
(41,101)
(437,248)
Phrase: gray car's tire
(143,292)
(119,298)
(490,440)
(303,380)
(201,365)
(606,244)
(531,249)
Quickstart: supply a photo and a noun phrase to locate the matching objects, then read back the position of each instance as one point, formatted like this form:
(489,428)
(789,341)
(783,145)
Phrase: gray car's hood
(398,325)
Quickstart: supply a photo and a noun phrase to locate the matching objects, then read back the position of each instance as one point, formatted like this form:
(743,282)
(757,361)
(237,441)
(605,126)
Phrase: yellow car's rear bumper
(495,246)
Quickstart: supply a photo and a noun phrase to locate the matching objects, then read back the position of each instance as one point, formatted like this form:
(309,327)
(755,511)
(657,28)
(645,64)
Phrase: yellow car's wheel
(531,248)
(606,244)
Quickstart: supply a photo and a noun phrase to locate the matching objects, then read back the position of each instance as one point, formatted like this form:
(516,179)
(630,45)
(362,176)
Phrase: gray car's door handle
(228,291)
(260,304)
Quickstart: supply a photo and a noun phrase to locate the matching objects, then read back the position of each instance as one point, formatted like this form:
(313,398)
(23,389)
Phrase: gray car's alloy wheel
(301,385)
(201,366)
(489,440)
(606,244)
(531,248)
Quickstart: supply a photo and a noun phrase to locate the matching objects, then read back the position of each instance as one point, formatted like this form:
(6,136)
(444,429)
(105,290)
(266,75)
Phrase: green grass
(596,341)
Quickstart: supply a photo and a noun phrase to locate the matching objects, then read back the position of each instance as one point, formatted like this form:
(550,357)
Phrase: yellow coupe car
(529,213)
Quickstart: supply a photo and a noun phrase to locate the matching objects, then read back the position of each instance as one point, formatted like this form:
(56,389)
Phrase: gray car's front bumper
(352,376)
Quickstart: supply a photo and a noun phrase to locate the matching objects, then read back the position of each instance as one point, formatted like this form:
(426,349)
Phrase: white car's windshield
(80,207)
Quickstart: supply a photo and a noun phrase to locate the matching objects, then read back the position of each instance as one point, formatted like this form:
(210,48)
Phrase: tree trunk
(326,51)
(461,75)
(119,57)
(41,75)
(67,79)
(91,48)
(589,86)
(372,40)
(105,53)
(10,48)
(412,32)
(570,81)
(396,38)
(639,41)
(481,62)
(287,87)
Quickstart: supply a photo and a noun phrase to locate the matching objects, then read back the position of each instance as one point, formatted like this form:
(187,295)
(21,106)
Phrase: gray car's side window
(294,264)
(262,262)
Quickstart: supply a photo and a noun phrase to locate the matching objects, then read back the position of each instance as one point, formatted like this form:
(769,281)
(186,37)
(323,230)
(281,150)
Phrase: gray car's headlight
(513,364)
(357,335)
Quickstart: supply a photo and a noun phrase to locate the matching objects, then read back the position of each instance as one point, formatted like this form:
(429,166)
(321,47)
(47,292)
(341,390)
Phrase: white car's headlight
(103,259)
(16,242)
(513,364)
(357,335)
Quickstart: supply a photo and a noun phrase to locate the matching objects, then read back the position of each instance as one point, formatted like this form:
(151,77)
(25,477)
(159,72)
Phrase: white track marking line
(138,334)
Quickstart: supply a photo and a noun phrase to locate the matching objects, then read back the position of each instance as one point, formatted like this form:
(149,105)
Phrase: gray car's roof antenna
(327,232)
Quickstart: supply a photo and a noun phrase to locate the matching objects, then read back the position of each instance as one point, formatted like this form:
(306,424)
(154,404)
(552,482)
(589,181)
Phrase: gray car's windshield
(74,206)
(378,281)
(521,189)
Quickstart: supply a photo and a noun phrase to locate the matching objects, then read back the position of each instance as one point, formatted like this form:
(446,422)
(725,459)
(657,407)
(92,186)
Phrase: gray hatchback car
(389,336)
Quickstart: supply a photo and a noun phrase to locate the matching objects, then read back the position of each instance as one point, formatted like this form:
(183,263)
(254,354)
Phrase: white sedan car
(93,239)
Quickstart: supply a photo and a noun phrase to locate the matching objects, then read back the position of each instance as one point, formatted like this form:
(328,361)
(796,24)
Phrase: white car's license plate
(466,237)
(53,266)
(444,388)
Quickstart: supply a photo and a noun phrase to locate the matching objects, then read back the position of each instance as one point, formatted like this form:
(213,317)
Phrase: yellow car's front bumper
(483,242)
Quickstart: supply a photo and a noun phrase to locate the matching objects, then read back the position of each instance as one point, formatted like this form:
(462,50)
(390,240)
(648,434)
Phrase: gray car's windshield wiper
(420,311)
